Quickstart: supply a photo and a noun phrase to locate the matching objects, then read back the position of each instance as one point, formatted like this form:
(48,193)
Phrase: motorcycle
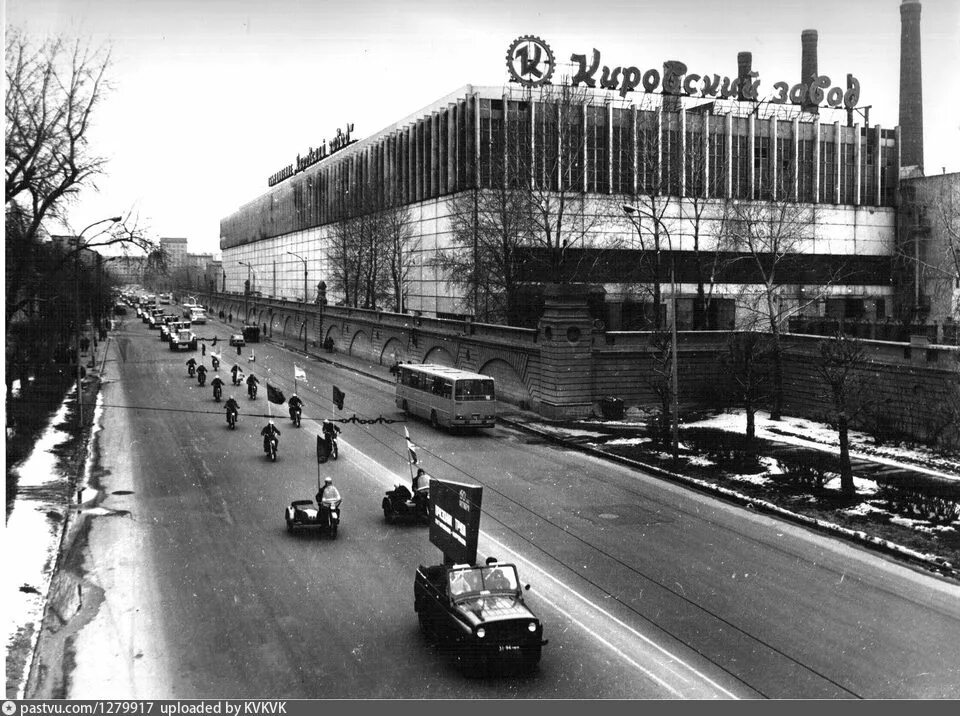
(400,504)
(295,415)
(191,371)
(232,419)
(252,391)
(215,363)
(217,392)
(327,448)
(202,378)
(303,513)
(270,446)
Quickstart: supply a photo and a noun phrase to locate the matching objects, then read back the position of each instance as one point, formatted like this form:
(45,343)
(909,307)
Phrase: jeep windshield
(472,581)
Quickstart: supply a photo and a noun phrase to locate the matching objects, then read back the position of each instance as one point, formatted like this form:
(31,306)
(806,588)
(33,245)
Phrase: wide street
(646,590)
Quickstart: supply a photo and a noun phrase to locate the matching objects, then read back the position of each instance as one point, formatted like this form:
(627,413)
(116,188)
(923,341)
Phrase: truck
(183,337)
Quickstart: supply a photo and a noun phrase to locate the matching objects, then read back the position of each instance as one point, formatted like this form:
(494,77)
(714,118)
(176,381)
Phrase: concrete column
(565,337)
(774,158)
(661,125)
(506,139)
(794,192)
(856,164)
(877,154)
(837,149)
(728,150)
(634,149)
(451,138)
(682,138)
(706,155)
(751,156)
(816,162)
(609,138)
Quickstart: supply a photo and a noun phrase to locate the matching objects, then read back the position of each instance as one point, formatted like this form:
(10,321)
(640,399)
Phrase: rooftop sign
(341,140)
(455,519)
(531,63)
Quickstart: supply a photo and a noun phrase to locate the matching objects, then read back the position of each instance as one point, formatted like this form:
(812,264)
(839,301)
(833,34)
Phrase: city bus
(446,396)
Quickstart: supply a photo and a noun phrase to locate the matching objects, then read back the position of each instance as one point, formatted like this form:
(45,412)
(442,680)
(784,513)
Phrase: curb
(939,565)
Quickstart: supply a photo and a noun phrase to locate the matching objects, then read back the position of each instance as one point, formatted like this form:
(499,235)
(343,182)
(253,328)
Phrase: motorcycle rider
(217,385)
(191,366)
(214,361)
(268,432)
(327,484)
(252,385)
(232,406)
(236,369)
(329,432)
(201,374)
(295,403)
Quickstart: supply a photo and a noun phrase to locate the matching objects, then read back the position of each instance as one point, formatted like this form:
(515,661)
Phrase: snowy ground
(32,540)
(793,431)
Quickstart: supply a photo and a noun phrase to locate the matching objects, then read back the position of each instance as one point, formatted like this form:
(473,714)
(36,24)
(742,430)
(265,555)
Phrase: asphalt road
(646,590)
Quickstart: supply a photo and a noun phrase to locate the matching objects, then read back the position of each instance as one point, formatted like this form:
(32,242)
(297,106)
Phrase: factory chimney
(744,67)
(911,87)
(808,67)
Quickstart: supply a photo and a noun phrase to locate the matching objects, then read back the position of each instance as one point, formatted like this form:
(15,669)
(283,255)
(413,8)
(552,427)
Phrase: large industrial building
(699,171)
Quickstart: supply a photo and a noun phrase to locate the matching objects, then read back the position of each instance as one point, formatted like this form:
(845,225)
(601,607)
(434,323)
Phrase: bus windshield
(473,389)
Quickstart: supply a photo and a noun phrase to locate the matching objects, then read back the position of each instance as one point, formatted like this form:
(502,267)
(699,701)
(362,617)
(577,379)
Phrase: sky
(208,98)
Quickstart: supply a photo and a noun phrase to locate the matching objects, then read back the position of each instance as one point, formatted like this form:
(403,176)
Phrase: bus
(446,396)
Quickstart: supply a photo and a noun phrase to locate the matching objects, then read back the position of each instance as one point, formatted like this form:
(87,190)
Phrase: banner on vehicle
(338,396)
(455,519)
(323,450)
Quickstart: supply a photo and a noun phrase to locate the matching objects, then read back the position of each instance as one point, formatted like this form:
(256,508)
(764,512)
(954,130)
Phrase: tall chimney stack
(911,87)
(808,67)
(744,67)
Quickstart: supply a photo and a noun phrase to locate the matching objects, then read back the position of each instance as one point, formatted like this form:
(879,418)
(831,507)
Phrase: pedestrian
(214,341)
(239,351)
(203,349)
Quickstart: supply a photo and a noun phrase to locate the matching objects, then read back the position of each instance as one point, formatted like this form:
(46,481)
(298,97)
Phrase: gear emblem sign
(530,61)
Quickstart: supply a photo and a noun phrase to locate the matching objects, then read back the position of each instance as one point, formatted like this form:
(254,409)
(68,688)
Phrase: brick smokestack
(911,87)
(808,66)
(744,67)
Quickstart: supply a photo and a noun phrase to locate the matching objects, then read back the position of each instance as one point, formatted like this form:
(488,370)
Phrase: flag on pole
(411,448)
(338,396)
(299,373)
(275,395)
(323,451)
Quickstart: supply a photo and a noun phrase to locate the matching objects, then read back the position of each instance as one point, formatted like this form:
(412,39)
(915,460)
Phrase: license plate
(508,647)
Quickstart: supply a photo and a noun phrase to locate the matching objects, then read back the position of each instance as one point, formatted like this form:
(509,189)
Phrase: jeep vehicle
(478,612)
(183,338)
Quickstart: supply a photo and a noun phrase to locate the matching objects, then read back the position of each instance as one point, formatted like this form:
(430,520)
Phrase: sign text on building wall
(530,62)
(314,155)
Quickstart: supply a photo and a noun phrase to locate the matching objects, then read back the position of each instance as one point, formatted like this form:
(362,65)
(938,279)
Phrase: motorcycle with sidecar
(326,516)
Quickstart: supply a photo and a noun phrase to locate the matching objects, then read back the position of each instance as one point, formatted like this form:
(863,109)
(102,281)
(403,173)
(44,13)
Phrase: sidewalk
(564,433)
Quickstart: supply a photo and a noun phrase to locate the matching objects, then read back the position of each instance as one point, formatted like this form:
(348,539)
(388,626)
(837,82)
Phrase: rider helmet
(270,422)
(328,480)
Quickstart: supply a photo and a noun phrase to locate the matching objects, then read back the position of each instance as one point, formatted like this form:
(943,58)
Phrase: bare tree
(747,359)
(769,234)
(401,244)
(839,359)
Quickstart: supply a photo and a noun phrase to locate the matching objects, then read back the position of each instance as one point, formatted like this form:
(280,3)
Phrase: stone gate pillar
(566,358)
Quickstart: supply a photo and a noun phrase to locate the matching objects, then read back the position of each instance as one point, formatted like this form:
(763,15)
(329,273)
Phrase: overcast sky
(210,97)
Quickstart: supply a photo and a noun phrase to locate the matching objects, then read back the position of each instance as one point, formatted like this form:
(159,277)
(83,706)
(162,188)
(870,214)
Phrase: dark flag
(275,395)
(323,450)
(338,396)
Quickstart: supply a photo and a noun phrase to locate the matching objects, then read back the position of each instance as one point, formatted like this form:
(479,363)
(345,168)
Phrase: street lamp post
(76,304)
(246,292)
(304,302)
(634,214)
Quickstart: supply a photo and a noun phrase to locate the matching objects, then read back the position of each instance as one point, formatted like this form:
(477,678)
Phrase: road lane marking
(379,472)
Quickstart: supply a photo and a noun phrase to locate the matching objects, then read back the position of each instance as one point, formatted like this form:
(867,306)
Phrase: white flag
(299,373)
(411,448)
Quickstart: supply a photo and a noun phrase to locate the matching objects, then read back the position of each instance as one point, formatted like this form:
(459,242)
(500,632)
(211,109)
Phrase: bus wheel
(433,420)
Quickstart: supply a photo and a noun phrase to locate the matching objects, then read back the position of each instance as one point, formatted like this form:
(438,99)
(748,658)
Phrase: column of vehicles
(475,612)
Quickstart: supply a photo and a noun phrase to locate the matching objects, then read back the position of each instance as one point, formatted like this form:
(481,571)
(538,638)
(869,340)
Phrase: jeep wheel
(387,515)
(289,522)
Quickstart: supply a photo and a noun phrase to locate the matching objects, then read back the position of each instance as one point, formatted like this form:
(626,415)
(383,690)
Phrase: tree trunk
(846,473)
